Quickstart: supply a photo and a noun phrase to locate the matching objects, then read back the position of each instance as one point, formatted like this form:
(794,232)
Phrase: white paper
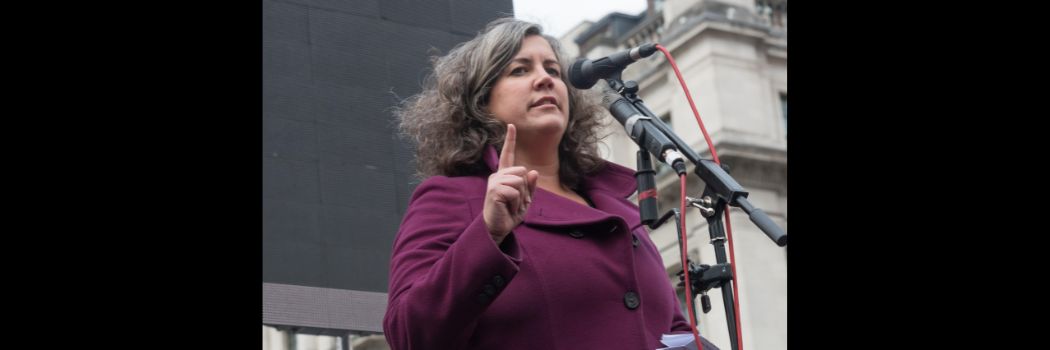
(682,341)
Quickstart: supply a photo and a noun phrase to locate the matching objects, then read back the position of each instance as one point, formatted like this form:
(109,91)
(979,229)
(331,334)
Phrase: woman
(533,247)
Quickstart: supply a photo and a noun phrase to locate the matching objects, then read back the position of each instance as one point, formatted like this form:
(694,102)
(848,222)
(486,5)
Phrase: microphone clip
(629,125)
(704,204)
(629,87)
(703,277)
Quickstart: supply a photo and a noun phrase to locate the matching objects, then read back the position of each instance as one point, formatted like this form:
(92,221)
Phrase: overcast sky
(558,16)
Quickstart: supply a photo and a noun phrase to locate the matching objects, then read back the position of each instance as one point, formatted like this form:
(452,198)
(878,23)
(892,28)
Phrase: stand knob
(704,204)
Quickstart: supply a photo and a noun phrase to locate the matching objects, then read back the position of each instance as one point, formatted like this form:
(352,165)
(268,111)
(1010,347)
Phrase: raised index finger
(506,157)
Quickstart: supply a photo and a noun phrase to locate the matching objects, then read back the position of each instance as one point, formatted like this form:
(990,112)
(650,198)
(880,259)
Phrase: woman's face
(530,93)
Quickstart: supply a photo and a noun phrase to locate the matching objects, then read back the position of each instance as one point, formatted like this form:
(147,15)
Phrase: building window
(784,110)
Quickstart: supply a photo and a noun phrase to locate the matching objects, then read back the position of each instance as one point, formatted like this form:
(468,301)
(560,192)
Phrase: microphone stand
(720,190)
(723,185)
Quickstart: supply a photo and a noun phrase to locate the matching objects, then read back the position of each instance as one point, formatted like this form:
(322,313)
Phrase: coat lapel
(549,209)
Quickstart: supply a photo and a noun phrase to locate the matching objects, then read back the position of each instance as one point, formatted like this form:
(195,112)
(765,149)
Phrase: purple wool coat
(569,277)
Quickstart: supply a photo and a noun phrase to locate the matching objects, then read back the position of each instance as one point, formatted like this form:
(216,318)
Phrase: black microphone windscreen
(576,76)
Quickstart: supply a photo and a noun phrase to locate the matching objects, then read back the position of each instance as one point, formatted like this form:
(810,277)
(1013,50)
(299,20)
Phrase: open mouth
(545,101)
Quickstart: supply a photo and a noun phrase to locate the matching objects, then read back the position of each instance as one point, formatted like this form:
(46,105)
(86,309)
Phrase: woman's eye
(517,71)
(554,72)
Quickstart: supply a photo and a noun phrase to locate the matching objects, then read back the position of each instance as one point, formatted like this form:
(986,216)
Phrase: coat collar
(602,187)
(613,178)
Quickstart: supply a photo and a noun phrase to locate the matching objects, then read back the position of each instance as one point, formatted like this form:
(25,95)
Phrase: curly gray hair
(448,121)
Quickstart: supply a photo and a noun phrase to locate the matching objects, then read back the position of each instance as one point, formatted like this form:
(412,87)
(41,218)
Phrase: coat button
(634,240)
(490,289)
(576,233)
(498,281)
(631,300)
(484,298)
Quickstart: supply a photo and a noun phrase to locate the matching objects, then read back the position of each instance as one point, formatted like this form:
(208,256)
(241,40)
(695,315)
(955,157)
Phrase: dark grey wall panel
(293,262)
(430,14)
(358,184)
(286,97)
(336,179)
(291,180)
(350,145)
(345,67)
(291,221)
(414,45)
(404,161)
(352,266)
(369,8)
(285,22)
(361,227)
(470,16)
(287,59)
(361,106)
(329,29)
(290,139)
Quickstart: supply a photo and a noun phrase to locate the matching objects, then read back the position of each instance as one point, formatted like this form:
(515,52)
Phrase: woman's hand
(509,191)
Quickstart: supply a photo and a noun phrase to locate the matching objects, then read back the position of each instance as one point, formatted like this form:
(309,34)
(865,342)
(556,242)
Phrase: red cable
(685,271)
(729,226)
(689,96)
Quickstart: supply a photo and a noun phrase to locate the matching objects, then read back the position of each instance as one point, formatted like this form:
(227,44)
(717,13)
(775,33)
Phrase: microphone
(584,73)
(644,132)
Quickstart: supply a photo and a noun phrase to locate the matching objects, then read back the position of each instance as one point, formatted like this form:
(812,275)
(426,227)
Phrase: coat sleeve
(445,269)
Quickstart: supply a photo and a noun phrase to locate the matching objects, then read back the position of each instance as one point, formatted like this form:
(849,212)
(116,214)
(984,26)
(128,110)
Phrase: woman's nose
(545,81)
